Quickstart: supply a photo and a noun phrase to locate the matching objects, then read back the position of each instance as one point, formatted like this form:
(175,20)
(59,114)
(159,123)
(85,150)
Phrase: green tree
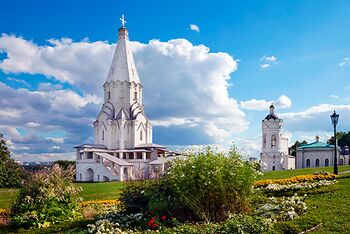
(11,174)
(293,148)
(342,137)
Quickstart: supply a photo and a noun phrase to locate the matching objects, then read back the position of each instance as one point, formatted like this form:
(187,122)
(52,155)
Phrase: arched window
(135,95)
(264,141)
(141,135)
(317,162)
(326,162)
(273,141)
(307,162)
(273,168)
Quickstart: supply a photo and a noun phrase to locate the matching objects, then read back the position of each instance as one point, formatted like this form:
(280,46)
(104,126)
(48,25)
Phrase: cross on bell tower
(122,19)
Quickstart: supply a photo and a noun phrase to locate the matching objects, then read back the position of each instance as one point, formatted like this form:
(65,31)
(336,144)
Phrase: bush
(46,199)
(212,185)
(244,224)
(142,196)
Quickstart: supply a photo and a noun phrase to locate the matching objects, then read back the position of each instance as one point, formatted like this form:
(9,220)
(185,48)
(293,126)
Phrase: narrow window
(103,135)
(326,162)
(307,162)
(317,162)
(273,141)
(264,141)
(273,168)
(135,95)
(109,94)
(141,135)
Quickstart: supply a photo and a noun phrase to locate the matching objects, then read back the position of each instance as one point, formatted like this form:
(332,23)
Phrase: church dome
(271,116)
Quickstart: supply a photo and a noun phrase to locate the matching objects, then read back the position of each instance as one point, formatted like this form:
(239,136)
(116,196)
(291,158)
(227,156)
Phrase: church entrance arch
(89,175)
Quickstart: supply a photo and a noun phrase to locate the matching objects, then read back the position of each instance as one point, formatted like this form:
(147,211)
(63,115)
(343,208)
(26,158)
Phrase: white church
(274,151)
(123,148)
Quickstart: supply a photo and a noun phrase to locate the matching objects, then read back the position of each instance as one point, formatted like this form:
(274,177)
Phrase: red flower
(163,217)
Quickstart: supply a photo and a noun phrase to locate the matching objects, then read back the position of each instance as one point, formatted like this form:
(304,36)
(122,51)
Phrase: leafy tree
(342,137)
(293,148)
(11,174)
(65,163)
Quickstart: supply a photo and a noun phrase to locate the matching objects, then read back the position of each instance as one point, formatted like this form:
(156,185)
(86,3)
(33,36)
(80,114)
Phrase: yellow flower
(294,179)
(4,211)
(100,202)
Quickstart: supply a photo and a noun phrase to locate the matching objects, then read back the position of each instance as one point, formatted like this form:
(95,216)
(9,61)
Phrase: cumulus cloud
(344,62)
(194,27)
(317,118)
(267,61)
(185,91)
(282,102)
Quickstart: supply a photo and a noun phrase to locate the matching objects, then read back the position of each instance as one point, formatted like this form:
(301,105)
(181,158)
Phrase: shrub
(244,224)
(212,185)
(46,198)
(141,196)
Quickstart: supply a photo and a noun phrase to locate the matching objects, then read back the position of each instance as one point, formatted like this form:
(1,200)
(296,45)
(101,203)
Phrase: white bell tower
(274,143)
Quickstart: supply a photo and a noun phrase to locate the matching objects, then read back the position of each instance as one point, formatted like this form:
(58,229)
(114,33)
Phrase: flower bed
(4,212)
(297,186)
(295,179)
(100,202)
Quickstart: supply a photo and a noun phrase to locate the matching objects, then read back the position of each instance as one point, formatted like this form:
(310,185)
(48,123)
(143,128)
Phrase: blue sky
(295,49)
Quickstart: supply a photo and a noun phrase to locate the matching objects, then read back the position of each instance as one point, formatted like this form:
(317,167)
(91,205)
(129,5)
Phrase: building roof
(96,146)
(271,116)
(316,145)
(123,66)
(116,160)
(151,145)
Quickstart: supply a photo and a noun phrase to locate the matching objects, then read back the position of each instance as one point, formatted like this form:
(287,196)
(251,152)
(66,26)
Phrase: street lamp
(334,119)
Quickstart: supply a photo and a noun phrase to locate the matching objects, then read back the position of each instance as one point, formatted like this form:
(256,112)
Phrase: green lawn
(304,171)
(7,196)
(100,191)
(332,208)
(91,191)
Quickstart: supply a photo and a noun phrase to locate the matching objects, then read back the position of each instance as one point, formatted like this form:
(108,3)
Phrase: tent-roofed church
(123,148)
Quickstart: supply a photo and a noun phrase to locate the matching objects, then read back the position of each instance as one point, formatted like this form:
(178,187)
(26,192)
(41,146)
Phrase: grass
(7,196)
(100,191)
(91,191)
(332,208)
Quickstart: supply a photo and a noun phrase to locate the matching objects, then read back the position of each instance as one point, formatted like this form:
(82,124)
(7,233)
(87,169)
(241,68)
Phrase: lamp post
(334,119)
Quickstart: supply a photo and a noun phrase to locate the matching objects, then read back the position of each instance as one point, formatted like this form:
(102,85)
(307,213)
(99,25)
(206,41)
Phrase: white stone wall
(315,153)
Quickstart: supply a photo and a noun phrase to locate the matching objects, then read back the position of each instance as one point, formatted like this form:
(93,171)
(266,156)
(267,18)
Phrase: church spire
(123,66)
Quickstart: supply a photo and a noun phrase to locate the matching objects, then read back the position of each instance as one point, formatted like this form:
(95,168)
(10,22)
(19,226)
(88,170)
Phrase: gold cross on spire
(123,21)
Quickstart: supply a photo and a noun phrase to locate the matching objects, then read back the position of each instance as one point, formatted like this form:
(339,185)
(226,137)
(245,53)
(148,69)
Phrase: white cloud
(44,157)
(10,113)
(265,65)
(32,125)
(193,88)
(317,119)
(194,27)
(282,102)
(334,96)
(267,61)
(345,61)
(56,147)
(173,121)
